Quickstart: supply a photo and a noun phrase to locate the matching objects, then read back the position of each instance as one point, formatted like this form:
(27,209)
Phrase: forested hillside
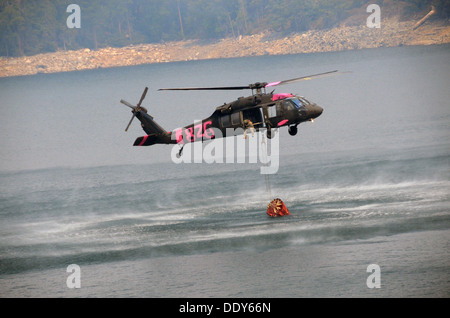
(29,27)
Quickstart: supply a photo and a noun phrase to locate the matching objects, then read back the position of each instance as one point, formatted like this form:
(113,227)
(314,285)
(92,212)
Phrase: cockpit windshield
(299,102)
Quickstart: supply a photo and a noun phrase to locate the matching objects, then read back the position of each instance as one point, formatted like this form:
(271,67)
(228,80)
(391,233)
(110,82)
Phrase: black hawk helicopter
(262,110)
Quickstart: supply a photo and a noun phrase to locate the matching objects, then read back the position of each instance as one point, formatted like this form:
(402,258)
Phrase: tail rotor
(135,109)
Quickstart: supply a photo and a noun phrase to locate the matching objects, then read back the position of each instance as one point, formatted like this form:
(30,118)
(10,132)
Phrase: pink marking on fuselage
(281,96)
(143,140)
(281,123)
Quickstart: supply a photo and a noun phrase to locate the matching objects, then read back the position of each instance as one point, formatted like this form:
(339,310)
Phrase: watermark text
(231,148)
(374,279)
(74,19)
(74,279)
(373,20)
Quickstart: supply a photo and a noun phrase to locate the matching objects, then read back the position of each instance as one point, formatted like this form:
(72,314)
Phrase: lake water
(367,183)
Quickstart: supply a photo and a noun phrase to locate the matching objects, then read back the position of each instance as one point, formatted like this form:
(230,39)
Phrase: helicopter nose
(316,111)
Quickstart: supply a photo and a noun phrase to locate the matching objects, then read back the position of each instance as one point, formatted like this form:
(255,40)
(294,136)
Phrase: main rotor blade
(132,117)
(303,78)
(204,88)
(142,97)
(252,86)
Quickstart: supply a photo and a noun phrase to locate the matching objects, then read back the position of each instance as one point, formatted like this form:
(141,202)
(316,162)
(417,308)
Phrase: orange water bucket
(277,208)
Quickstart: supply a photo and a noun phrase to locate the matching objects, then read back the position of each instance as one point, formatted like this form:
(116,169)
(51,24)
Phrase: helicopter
(261,110)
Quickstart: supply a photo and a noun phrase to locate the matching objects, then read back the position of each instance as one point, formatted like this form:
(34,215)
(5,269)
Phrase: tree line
(29,27)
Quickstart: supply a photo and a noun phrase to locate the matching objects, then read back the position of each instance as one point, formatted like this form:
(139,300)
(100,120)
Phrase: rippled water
(367,183)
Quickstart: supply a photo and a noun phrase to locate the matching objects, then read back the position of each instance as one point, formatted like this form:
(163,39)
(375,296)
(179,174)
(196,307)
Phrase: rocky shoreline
(346,37)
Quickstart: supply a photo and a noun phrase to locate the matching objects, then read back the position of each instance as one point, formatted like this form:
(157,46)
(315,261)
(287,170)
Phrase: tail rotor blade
(131,120)
(142,97)
(126,103)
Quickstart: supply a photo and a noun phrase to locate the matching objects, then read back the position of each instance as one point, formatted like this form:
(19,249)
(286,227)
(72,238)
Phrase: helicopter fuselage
(259,111)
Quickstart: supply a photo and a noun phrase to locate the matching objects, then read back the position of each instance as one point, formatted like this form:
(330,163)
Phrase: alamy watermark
(234,147)
(373,20)
(74,19)
(374,279)
(74,279)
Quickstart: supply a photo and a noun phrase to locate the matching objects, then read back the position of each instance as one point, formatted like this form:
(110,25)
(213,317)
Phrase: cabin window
(236,118)
(273,111)
(225,121)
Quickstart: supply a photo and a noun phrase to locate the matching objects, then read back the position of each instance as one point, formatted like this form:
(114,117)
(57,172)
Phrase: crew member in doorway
(248,125)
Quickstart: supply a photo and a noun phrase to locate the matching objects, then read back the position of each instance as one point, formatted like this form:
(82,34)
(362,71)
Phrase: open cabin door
(255,115)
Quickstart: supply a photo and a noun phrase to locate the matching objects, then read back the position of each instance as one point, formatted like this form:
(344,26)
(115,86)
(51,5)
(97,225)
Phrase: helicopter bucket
(277,208)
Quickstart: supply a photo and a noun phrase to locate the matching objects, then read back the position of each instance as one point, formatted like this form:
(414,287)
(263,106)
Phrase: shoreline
(348,37)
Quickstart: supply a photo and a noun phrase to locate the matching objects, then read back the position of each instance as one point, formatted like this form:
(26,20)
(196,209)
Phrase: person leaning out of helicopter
(248,125)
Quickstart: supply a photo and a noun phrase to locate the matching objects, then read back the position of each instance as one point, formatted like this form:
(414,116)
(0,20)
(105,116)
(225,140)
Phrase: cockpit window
(289,105)
(299,102)
(304,101)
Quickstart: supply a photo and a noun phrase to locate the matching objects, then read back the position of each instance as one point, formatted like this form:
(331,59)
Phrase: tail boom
(155,133)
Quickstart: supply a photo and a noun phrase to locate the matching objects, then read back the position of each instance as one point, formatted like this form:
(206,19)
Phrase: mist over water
(367,182)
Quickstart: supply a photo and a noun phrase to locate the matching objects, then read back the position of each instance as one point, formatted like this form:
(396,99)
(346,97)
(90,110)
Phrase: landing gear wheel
(180,152)
(292,130)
